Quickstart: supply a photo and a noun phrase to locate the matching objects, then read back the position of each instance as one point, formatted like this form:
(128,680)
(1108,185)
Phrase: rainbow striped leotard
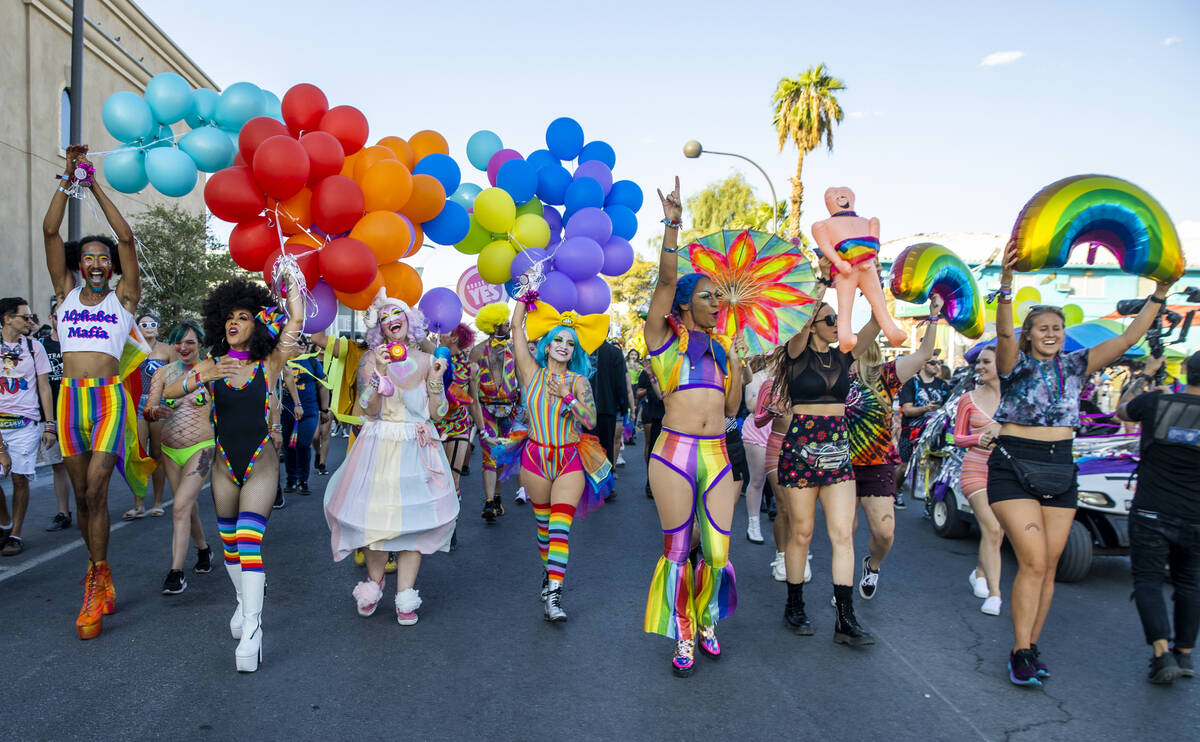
(858,249)
(690,360)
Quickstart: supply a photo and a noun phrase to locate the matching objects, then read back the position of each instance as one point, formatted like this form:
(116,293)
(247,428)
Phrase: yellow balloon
(1027,294)
(1073,313)
(531,231)
(1023,309)
(495,262)
(495,210)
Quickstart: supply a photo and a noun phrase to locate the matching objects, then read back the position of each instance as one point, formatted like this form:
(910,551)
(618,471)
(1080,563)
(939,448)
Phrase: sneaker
(991,606)
(978,584)
(685,656)
(61,522)
(620,459)
(553,603)
(708,642)
(778,568)
(1187,668)
(489,513)
(367,595)
(289,488)
(13,546)
(1021,670)
(302,489)
(497,505)
(279,501)
(1164,669)
(521,498)
(389,567)
(203,561)
(808,568)
(175,583)
(407,603)
(322,470)
(1042,671)
(869,582)
(754,531)
(900,502)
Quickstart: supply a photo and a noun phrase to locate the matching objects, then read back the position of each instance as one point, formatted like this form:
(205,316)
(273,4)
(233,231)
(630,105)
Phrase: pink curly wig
(463,336)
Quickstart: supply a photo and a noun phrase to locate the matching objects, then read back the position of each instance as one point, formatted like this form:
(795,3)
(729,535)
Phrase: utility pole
(74,215)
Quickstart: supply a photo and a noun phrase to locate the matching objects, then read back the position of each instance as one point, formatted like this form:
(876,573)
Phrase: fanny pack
(13,422)
(499,410)
(825,456)
(1044,479)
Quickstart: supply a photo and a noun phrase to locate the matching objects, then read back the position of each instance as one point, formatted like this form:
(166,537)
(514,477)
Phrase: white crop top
(103,328)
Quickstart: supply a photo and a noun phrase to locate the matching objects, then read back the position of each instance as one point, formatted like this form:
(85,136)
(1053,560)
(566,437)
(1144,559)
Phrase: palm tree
(806,110)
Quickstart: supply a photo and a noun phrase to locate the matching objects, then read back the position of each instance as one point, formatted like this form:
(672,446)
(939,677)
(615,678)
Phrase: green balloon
(476,238)
(533,206)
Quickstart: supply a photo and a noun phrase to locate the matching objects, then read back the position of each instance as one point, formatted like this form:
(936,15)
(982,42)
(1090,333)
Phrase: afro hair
(491,316)
(223,301)
(74,251)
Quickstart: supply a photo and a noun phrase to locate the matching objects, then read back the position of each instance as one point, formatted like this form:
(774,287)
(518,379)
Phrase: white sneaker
(808,569)
(978,584)
(620,459)
(754,531)
(521,498)
(778,568)
(991,606)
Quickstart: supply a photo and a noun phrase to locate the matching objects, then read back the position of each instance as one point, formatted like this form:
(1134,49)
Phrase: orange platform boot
(91,614)
(104,573)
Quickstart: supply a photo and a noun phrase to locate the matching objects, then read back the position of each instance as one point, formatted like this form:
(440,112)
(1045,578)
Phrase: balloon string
(145,267)
(129,147)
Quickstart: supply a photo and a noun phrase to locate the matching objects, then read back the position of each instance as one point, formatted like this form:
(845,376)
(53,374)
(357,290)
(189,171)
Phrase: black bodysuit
(240,416)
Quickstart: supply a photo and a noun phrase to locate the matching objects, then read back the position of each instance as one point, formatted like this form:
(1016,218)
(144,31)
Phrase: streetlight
(694,149)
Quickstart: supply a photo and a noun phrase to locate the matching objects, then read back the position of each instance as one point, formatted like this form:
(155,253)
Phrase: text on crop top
(103,328)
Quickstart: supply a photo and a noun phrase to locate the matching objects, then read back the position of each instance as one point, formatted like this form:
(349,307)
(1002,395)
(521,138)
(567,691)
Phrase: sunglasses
(28,317)
(151,325)
(829,319)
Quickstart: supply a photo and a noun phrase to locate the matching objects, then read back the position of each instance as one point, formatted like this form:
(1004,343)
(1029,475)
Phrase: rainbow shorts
(91,416)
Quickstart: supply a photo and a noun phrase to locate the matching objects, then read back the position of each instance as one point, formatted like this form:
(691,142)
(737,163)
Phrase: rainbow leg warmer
(716,585)
(561,516)
(541,514)
(250,528)
(670,610)
(228,529)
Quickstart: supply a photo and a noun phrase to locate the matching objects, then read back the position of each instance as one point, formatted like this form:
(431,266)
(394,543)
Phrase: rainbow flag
(134,463)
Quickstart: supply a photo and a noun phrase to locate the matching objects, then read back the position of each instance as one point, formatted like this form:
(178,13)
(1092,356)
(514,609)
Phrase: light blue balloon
(171,171)
(481,146)
(127,117)
(204,108)
(598,150)
(163,137)
(442,167)
(209,148)
(274,106)
(465,195)
(239,103)
(125,170)
(169,97)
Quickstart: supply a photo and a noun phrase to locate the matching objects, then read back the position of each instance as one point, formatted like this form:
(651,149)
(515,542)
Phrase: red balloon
(325,155)
(233,196)
(306,257)
(349,125)
(251,242)
(337,205)
(281,166)
(303,106)
(348,265)
(255,132)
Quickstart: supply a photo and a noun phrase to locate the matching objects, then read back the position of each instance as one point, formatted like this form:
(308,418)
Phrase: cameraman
(1164,522)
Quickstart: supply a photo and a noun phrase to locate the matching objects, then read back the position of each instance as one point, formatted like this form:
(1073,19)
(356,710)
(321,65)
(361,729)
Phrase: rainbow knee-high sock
(561,516)
(228,530)
(250,528)
(541,514)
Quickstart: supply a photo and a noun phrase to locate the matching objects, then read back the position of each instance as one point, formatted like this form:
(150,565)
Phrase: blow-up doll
(851,243)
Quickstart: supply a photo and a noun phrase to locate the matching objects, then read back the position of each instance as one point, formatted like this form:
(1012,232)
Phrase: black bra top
(818,378)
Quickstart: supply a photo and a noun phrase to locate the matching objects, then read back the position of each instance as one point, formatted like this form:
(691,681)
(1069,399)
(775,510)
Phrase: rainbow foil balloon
(928,268)
(1098,210)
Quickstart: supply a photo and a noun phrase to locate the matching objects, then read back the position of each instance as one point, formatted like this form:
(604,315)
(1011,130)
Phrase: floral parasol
(767,281)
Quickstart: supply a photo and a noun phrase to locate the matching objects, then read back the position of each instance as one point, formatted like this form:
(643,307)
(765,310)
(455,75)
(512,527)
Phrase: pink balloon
(499,159)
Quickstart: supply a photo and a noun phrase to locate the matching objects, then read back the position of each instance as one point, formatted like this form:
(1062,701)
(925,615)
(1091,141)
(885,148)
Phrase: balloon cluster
(153,154)
(516,224)
(307,185)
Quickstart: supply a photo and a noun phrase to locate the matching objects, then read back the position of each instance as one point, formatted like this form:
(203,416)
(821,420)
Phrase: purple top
(1044,393)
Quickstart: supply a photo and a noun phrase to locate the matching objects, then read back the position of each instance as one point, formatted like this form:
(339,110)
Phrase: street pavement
(482,663)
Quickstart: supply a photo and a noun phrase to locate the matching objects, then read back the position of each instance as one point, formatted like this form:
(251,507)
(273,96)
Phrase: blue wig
(579,363)
(684,288)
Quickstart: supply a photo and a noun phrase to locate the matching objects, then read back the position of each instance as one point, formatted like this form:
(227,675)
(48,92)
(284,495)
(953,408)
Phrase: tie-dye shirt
(1044,393)
(869,417)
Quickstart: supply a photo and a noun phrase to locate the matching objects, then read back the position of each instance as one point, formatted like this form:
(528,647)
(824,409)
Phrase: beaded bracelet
(672,223)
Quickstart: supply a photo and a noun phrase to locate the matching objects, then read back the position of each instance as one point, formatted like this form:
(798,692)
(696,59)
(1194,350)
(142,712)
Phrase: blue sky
(935,138)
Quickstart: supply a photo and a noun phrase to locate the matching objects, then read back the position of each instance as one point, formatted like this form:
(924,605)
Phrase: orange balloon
(400,148)
(303,238)
(360,300)
(295,214)
(426,143)
(349,163)
(417,240)
(386,233)
(427,200)
(387,186)
(370,156)
(401,282)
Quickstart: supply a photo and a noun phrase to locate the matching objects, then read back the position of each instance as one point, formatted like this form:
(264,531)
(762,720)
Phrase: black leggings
(1157,541)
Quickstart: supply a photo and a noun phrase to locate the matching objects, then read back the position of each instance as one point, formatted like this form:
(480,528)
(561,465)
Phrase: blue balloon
(465,194)
(204,108)
(169,97)
(481,146)
(127,117)
(449,226)
(239,103)
(442,167)
(163,137)
(519,179)
(540,158)
(209,148)
(583,192)
(511,288)
(274,106)
(564,138)
(624,222)
(598,150)
(552,183)
(625,193)
(171,171)
(125,170)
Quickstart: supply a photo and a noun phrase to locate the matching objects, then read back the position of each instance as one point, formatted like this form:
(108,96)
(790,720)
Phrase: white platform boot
(249,650)
(235,621)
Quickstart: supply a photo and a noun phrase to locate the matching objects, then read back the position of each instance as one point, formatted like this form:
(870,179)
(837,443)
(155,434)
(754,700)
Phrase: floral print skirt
(811,443)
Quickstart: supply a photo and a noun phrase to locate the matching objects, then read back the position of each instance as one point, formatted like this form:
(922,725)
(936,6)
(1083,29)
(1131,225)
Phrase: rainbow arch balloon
(929,268)
(1098,210)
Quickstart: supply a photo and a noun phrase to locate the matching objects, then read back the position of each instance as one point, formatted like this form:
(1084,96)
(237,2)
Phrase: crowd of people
(228,399)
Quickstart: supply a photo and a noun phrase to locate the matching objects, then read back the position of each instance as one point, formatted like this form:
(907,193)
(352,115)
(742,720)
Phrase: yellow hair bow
(591,328)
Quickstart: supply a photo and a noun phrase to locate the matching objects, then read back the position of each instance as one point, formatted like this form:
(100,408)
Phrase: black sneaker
(1187,669)
(869,580)
(13,546)
(322,470)
(279,501)
(900,502)
(289,488)
(1164,669)
(203,561)
(175,583)
(61,522)
(302,489)
(1021,670)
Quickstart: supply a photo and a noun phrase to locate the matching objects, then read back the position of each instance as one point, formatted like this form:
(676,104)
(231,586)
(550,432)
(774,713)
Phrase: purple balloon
(618,257)
(594,296)
(327,305)
(525,260)
(553,218)
(558,291)
(442,309)
(598,172)
(590,222)
(579,258)
(498,159)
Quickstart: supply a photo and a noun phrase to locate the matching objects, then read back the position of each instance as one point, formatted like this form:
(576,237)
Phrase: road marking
(59,551)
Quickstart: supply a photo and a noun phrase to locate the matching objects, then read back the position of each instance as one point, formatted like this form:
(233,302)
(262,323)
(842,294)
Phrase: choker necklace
(845,213)
(240,355)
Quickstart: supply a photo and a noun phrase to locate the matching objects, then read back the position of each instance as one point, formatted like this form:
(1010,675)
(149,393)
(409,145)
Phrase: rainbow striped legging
(91,416)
